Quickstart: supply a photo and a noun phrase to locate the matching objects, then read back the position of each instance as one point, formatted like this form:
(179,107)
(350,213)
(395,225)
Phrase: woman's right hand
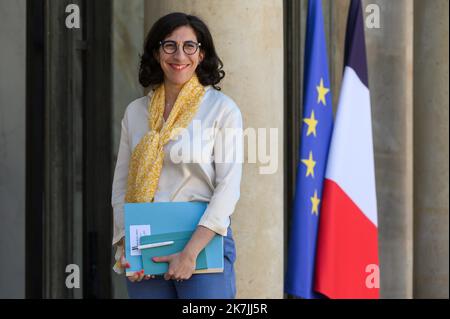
(138,275)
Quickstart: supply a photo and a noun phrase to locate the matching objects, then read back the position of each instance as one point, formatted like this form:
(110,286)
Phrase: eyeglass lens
(171,47)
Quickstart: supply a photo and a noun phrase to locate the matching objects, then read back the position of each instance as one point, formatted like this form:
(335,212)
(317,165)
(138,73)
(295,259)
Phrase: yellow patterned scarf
(147,157)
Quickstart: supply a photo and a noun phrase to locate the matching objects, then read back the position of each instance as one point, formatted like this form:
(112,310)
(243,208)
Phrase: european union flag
(317,125)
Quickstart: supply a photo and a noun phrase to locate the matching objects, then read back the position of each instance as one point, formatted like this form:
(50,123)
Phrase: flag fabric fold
(347,264)
(317,122)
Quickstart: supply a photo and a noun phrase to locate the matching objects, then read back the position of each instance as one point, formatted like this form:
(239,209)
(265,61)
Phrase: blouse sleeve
(120,182)
(228,158)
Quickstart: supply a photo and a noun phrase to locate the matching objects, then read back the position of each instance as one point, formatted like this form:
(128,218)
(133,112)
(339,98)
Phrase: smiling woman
(178,65)
(181,67)
(174,27)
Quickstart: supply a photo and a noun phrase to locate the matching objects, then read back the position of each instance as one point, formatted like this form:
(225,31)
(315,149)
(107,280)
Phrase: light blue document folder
(147,223)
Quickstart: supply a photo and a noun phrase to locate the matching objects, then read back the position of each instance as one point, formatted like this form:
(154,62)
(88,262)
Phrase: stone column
(127,43)
(431,149)
(249,39)
(13,17)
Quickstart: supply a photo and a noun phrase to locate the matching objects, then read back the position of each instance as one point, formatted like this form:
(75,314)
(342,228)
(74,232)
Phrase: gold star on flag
(321,92)
(315,203)
(310,163)
(312,123)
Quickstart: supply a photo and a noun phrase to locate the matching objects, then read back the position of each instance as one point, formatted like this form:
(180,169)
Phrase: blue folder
(168,226)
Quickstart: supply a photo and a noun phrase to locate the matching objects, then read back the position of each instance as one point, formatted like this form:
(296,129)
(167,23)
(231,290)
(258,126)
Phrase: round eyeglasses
(170,47)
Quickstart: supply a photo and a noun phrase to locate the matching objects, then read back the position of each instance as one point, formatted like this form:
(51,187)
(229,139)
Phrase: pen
(164,243)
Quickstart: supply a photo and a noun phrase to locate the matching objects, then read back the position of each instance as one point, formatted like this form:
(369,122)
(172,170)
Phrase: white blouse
(192,169)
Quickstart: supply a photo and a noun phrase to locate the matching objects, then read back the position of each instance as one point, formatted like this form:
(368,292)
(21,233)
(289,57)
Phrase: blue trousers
(199,286)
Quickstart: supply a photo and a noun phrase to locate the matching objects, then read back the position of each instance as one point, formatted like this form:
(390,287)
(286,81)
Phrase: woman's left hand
(181,265)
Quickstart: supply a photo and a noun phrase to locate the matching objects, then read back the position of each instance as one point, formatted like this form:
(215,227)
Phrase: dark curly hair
(209,71)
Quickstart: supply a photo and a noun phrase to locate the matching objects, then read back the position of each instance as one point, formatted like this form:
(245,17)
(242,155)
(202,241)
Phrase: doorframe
(97,225)
(294,25)
(35,107)
(68,145)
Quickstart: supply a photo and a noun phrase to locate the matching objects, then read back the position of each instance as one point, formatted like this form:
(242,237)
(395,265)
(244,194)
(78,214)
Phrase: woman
(182,69)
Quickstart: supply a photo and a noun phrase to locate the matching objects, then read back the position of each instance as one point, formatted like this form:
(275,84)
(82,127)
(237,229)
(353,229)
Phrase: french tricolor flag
(347,263)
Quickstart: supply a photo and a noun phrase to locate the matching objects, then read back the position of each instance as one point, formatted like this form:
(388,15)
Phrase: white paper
(136,231)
